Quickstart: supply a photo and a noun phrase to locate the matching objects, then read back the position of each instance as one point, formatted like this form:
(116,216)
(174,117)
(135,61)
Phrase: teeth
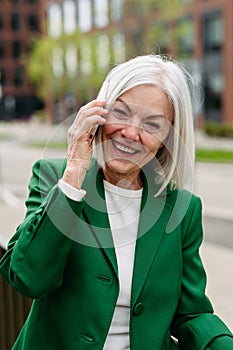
(123,148)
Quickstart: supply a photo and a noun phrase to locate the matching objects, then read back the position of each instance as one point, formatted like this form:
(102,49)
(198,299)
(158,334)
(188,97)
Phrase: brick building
(20,22)
(205,46)
(213,49)
(124,28)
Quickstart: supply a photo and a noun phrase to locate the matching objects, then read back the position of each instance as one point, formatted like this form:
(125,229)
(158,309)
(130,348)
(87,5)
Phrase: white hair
(176,157)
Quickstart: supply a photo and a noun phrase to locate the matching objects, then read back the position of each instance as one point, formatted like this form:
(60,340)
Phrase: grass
(214,155)
(61,145)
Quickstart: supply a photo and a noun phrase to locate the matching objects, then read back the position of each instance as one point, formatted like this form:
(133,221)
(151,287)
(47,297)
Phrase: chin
(122,166)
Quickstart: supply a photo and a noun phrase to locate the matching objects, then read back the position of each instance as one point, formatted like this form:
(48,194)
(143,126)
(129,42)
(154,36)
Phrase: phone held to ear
(93,131)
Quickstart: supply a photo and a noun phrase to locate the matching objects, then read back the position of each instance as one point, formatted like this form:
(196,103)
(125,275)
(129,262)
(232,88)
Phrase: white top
(123,207)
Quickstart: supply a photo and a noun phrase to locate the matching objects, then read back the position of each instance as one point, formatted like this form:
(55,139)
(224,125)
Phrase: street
(213,183)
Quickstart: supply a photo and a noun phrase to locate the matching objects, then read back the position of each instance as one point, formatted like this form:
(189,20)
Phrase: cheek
(109,129)
(153,145)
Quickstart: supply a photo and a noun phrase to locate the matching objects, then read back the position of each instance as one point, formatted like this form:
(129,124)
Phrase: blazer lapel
(95,213)
(155,213)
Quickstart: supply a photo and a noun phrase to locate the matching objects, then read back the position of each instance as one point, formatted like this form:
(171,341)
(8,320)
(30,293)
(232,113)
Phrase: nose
(131,132)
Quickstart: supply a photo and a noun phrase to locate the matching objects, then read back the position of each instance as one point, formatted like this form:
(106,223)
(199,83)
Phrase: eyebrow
(149,116)
(125,104)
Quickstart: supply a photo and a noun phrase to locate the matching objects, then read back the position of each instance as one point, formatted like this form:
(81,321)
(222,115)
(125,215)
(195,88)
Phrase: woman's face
(137,124)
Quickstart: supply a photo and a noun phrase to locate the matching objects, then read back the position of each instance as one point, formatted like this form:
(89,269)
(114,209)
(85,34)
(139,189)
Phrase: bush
(218,129)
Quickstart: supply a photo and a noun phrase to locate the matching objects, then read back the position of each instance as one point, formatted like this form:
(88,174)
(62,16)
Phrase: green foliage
(41,72)
(218,129)
(84,85)
(171,30)
(168,9)
(39,66)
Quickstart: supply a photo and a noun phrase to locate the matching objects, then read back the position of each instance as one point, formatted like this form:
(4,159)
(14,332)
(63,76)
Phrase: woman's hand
(80,139)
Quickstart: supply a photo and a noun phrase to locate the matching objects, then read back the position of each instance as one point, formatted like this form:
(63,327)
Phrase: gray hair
(176,158)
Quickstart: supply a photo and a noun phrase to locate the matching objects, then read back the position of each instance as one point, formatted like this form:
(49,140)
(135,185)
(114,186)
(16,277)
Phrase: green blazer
(62,256)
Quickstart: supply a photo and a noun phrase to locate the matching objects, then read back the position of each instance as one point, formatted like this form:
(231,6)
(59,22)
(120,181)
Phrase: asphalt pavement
(213,183)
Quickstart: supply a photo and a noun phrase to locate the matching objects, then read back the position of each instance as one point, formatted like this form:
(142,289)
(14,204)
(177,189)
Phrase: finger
(95,119)
(92,111)
(76,131)
(86,114)
(93,103)
(90,123)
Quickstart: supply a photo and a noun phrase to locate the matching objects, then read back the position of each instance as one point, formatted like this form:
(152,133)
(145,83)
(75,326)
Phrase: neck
(132,182)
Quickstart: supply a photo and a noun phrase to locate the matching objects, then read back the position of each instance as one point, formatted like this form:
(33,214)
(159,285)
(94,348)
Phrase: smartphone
(94,130)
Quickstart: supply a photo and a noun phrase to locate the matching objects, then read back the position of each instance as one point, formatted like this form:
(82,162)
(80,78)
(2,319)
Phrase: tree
(62,68)
(160,26)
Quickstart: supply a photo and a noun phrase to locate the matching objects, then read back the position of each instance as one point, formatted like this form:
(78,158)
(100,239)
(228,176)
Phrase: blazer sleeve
(194,324)
(37,253)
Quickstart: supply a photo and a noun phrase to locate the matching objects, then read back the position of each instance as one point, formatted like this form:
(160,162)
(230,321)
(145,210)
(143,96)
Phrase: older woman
(109,248)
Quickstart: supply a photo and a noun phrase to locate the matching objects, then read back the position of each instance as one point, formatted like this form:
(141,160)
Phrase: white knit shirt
(123,208)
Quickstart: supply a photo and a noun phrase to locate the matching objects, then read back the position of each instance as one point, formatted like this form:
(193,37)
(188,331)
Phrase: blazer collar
(95,213)
(154,216)
(155,213)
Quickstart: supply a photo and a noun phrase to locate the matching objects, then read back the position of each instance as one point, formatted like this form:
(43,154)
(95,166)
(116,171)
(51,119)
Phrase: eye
(120,113)
(151,126)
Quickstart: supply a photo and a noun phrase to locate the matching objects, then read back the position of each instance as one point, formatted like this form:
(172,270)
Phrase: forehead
(150,97)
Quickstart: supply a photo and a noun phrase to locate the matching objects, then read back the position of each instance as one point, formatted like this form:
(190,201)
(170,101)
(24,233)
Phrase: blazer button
(30,226)
(39,211)
(138,309)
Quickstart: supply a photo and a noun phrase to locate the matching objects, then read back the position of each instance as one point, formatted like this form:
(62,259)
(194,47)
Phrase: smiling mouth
(123,149)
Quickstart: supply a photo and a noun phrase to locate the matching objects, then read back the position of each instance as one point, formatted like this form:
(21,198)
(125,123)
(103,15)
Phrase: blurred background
(54,56)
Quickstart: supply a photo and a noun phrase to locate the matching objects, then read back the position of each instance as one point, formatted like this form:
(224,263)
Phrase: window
(103,52)
(116,10)
(33,23)
(101,13)
(185,36)
(2,49)
(57,62)
(15,21)
(85,58)
(119,47)
(69,11)
(213,31)
(1,22)
(17,49)
(2,77)
(71,60)
(84,15)
(54,21)
(213,85)
(18,76)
